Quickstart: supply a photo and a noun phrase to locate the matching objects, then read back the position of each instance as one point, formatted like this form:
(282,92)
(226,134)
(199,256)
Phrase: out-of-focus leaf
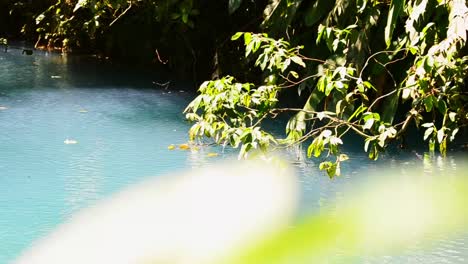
(376,220)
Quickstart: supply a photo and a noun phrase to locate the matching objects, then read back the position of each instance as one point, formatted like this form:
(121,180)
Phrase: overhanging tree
(373,68)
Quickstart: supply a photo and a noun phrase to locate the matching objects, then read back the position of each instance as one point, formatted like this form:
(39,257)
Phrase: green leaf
(427,125)
(321,84)
(333,170)
(319,147)
(338,107)
(454,133)
(361,88)
(343,157)
(329,167)
(247,38)
(39,18)
(382,138)
(329,88)
(374,152)
(244,150)
(298,61)
(396,7)
(325,165)
(428,132)
(413,50)
(80,4)
(311,149)
(237,35)
(234,5)
(443,147)
(368,124)
(369,85)
(294,74)
(185,18)
(440,135)
(452,116)
(406,93)
(431,145)
(442,106)
(428,103)
(366,144)
(358,111)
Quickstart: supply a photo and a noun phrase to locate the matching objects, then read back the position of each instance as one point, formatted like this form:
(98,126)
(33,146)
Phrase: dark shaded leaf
(317,10)
(234,5)
(391,106)
(396,7)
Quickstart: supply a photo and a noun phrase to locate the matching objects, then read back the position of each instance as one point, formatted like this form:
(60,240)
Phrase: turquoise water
(122,122)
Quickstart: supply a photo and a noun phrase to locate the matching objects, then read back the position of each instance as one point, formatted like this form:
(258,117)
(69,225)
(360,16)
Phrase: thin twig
(381,97)
(311,59)
(295,83)
(123,13)
(375,54)
(159,58)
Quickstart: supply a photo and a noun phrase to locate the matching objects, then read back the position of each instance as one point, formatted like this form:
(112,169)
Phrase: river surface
(122,122)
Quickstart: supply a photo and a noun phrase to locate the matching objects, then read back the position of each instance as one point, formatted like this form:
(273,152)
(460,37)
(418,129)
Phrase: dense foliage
(190,37)
(370,67)
(373,68)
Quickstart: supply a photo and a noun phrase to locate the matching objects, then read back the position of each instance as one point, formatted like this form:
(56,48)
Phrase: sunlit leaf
(452,116)
(298,61)
(237,35)
(368,124)
(428,132)
(440,135)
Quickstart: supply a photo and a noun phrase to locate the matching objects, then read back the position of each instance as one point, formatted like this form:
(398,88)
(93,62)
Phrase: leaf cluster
(374,68)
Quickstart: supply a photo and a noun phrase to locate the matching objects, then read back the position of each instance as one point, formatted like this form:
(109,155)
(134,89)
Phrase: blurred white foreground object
(196,217)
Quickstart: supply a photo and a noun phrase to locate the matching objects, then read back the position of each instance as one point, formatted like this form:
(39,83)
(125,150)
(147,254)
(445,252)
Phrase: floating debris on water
(56,77)
(184,146)
(70,141)
(212,154)
(83,111)
(3,108)
(171,147)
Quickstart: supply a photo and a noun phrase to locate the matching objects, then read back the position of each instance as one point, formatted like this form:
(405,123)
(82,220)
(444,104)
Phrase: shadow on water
(21,70)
